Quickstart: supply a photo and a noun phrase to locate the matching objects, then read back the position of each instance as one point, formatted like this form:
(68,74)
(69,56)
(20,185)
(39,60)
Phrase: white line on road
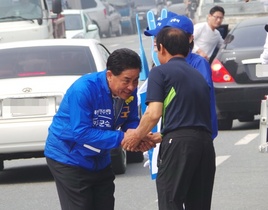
(248,138)
(114,45)
(221,159)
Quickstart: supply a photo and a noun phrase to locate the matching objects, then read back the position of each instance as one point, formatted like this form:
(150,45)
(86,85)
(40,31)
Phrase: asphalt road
(240,182)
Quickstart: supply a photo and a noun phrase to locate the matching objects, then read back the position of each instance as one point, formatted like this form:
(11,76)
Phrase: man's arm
(133,137)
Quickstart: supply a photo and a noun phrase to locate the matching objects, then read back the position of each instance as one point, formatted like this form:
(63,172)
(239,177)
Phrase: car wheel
(134,157)
(109,32)
(119,32)
(119,160)
(1,165)
(225,124)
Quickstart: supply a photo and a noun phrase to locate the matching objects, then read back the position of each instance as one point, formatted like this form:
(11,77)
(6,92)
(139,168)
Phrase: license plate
(262,70)
(16,107)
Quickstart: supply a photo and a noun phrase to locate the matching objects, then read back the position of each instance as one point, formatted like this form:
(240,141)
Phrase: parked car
(238,89)
(34,76)
(142,7)
(100,14)
(79,25)
(127,10)
(114,18)
(177,6)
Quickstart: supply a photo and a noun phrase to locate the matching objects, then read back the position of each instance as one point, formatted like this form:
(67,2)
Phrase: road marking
(221,159)
(248,138)
(114,45)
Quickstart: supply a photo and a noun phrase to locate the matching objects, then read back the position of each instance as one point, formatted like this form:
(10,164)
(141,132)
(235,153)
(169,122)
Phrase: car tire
(225,124)
(119,161)
(134,157)
(1,165)
(119,32)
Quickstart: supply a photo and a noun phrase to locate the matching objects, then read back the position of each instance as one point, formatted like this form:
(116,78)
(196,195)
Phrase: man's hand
(131,140)
(149,141)
(154,137)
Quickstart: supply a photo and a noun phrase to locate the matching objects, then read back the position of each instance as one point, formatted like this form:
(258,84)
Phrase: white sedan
(79,25)
(34,76)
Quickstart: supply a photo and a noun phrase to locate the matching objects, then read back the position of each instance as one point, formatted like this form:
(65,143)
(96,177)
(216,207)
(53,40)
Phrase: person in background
(264,55)
(206,36)
(180,95)
(94,114)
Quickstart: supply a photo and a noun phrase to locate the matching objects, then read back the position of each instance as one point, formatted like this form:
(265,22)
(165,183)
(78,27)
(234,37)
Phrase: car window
(46,61)
(73,22)
(80,4)
(145,3)
(16,9)
(177,1)
(244,37)
(88,4)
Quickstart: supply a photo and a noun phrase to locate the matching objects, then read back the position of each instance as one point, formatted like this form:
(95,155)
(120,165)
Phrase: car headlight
(79,36)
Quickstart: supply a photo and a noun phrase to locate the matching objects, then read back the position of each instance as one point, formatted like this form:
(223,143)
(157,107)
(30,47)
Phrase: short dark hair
(174,40)
(123,59)
(216,9)
(191,44)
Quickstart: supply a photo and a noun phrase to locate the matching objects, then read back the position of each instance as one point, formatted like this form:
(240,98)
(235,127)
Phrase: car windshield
(20,10)
(177,1)
(245,37)
(46,61)
(73,22)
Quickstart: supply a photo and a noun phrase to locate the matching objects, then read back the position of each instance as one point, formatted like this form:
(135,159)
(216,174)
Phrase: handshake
(134,142)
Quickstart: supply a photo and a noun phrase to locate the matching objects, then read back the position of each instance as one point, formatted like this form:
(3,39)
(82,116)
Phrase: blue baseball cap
(175,21)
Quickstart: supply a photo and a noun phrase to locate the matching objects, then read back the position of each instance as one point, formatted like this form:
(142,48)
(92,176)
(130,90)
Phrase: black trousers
(80,189)
(186,169)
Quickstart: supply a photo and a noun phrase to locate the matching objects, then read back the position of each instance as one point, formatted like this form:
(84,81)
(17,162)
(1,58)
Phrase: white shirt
(206,39)
(264,55)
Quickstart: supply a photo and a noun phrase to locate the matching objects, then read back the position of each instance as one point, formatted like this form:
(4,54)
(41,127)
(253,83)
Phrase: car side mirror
(92,27)
(229,38)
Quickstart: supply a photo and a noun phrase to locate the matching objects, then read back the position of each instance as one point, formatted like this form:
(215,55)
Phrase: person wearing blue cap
(195,60)
(180,95)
